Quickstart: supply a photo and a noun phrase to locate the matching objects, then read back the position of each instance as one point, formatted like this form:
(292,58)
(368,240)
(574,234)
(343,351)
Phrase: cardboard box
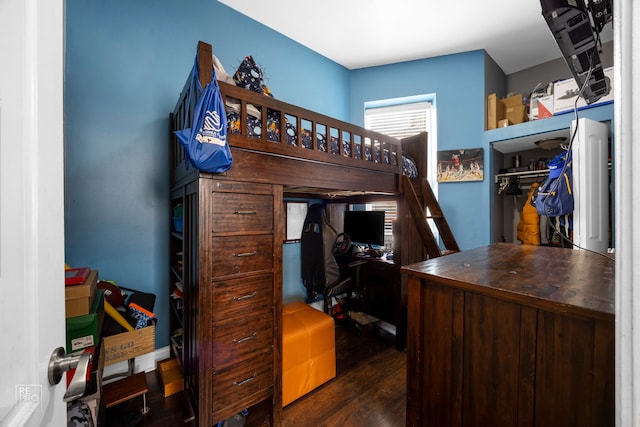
(495,111)
(516,114)
(510,108)
(86,289)
(565,92)
(77,307)
(514,110)
(78,298)
(545,107)
(84,331)
(171,379)
(127,345)
(512,101)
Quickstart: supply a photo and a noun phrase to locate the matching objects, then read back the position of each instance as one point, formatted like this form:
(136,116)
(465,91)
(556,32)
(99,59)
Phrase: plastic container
(177,211)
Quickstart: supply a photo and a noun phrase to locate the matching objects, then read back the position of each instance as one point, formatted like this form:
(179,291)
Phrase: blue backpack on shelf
(555,196)
(205,142)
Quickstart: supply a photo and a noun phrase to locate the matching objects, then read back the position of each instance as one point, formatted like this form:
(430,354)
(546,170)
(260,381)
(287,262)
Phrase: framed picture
(460,165)
(296,213)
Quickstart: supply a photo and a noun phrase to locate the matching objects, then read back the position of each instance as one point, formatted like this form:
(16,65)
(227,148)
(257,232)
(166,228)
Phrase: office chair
(321,272)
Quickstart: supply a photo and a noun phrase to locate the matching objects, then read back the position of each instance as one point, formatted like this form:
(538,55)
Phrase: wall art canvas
(461,165)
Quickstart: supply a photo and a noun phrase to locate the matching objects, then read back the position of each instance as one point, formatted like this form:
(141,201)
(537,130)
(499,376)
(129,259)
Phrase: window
(399,121)
(401,118)
(391,213)
(296,213)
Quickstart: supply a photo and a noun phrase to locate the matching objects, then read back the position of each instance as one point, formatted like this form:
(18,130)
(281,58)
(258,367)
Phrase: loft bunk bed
(354,158)
(282,150)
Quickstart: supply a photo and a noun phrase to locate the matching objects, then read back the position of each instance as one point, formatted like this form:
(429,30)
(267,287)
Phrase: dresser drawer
(245,297)
(244,384)
(242,254)
(236,341)
(237,212)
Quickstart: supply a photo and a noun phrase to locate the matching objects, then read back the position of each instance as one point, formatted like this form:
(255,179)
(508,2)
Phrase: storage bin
(127,345)
(84,331)
(308,350)
(171,379)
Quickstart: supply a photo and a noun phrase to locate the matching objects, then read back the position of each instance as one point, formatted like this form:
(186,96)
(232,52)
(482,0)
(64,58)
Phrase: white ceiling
(363,33)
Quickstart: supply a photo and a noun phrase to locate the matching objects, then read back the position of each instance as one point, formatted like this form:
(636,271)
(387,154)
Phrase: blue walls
(126,63)
(458,84)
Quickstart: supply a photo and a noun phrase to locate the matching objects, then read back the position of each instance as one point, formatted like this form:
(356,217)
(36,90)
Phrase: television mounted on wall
(576,26)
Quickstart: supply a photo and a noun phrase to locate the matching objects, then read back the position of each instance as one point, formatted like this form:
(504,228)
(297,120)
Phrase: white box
(563,103)
(545,107)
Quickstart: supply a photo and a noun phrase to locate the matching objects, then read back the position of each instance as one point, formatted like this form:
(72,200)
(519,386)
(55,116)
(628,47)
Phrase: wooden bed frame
(293,171)
(287,161)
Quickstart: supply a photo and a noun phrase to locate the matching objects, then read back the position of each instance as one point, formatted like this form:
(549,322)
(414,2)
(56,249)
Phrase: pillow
(250,76)
(409,167)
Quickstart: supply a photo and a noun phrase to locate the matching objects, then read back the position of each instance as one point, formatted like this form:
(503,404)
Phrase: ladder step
(426,236)
(417,211)
(434,208)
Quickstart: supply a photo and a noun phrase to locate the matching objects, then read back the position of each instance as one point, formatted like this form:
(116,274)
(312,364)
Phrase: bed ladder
(421,219)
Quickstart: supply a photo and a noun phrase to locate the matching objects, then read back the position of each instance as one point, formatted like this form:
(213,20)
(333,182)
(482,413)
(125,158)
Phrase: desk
(383,295)
(511,335)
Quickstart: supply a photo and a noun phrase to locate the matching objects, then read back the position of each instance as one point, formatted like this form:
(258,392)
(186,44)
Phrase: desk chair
(321,273)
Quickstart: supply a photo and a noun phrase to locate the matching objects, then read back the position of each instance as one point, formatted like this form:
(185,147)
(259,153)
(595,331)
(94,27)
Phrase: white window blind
(391,213)
(399,121)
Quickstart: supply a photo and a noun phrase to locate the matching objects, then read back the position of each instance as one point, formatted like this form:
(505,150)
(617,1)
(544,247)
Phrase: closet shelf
(523,136)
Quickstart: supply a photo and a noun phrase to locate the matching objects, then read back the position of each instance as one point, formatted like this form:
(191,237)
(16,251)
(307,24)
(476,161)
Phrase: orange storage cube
(308,350)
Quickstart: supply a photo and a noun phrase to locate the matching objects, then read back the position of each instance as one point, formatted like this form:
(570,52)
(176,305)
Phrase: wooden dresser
(511,335)
(231,321)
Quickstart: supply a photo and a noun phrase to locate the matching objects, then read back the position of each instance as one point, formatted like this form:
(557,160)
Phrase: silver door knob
(60,362)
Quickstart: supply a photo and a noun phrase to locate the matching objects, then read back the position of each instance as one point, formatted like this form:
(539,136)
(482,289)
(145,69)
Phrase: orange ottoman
(308,350)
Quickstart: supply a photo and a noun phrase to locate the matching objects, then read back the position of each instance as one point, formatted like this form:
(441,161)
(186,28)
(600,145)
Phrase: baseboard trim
(146,363)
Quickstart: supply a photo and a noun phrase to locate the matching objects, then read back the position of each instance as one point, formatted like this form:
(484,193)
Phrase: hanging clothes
(528,230)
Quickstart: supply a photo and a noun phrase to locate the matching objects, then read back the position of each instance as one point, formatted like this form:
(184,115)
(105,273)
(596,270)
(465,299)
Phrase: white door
(31,210)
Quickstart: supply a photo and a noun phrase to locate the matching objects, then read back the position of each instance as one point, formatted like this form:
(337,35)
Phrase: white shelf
(523,136)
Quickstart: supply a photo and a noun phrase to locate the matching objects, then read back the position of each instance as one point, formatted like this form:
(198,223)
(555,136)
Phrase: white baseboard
(146,363)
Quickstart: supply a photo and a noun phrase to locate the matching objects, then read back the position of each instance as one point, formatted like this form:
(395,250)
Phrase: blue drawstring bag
(205,142)
(555,196)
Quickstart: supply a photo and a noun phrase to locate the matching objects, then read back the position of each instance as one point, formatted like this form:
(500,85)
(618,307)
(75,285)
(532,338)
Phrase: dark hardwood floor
(369,390)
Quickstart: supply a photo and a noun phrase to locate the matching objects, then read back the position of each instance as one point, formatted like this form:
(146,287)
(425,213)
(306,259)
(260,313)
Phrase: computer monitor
(365,227)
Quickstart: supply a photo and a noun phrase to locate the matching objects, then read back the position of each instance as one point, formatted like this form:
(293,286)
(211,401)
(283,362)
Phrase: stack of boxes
(557,98)
(84,312)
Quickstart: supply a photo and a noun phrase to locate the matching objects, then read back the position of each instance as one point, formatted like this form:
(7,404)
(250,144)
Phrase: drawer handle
(247,296)
(244,212)
(241,340)
(243,382)
(245,254)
